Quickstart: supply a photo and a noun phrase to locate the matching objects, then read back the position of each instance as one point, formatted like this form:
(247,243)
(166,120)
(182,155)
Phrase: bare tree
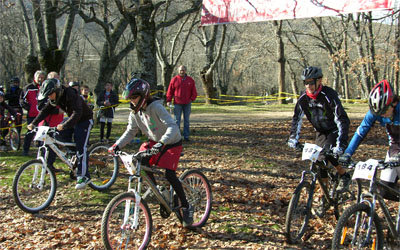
(209,42)
(171,47)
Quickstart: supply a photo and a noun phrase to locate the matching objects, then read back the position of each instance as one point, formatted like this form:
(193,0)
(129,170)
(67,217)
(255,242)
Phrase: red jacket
(182,89)
(30,99)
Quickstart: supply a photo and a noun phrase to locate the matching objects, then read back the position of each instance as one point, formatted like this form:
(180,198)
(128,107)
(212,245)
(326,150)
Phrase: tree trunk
(145,44)
(166,74)
(208,86)
(281,61)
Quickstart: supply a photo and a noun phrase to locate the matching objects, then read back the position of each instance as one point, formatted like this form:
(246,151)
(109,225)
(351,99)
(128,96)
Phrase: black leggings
(170,175)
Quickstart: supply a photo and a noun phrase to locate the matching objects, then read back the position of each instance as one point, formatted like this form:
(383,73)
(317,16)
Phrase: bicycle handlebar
(138,155)
(381,164)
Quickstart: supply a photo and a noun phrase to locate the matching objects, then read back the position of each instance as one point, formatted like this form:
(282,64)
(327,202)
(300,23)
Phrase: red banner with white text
(243,11)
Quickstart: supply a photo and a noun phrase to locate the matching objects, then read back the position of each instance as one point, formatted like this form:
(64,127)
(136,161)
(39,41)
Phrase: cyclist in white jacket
(152,119)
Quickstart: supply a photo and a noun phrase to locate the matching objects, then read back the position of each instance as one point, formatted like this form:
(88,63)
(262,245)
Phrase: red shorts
(169,158)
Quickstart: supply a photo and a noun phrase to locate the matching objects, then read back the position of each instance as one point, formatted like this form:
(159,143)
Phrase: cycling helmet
(137,87)
(311,73)
(73,84)
(15,79)
(47,88)
(2,93)
(380,98)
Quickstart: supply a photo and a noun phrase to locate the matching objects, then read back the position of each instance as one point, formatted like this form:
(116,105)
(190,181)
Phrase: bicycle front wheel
(298,213)
(352,229)
(15,142)
(348,197)
(198,193)
(119,230)
(34,186)
(103,167)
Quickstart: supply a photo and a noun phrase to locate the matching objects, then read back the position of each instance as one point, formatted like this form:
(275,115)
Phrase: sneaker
(344,182)
(188,216)
(82,182)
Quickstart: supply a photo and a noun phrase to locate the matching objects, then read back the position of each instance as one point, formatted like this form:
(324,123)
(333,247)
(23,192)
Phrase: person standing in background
(13,95)
(183,89)
(29,103)
(106,101)
(87,96)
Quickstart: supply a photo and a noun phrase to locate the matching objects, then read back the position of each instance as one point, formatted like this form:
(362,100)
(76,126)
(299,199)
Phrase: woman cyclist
(165,142)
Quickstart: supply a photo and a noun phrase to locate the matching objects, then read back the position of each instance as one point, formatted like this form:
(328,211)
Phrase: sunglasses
(313,82)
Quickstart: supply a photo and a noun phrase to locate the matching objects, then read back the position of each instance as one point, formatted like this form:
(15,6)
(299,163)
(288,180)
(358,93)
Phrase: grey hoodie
(155,122)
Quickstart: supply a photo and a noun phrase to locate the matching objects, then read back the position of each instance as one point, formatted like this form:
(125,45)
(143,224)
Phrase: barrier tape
(246,99)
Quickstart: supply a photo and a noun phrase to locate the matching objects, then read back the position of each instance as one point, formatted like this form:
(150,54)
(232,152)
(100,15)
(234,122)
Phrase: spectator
(75,85)
(106,101)
(13,95)
(183,89)
(3,120)
(29,103)
(87,96)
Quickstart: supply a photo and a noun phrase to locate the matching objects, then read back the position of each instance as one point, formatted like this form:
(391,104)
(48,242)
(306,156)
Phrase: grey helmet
(311,73)
(47,88)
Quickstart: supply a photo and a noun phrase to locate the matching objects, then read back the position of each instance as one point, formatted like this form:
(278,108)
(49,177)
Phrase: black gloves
(156,148)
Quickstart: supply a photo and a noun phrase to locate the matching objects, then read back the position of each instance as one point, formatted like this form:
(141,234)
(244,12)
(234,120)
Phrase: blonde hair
(37,74)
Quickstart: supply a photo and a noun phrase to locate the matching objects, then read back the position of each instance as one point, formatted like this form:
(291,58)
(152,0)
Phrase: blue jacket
(392,129)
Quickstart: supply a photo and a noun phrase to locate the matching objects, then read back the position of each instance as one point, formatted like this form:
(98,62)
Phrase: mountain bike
(304,204)
(360,226)
(127,221)
(35,184)
(13,136)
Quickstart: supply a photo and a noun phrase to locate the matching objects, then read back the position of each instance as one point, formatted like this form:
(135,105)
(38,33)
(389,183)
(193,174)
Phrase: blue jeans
(186,109)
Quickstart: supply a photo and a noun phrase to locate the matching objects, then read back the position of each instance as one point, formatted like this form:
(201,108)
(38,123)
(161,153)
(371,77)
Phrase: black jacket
(112,98)
(326,114)
(13,97)
(72,103)
(3,107)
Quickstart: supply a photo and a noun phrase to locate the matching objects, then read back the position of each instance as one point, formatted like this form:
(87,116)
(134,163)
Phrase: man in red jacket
(183,89)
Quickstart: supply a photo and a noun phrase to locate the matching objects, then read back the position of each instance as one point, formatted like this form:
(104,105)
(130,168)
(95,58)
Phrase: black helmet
(73,84)
(47,88)
(15,79)
(137,87)
(311,73)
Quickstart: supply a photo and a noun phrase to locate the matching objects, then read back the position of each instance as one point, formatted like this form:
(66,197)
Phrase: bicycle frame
(52,144)
(375,196)
(314,172)
(139,174)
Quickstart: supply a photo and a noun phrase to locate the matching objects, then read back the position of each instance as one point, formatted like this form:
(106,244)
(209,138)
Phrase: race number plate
(311,152)
(127,160)
(365,170)
(41,133)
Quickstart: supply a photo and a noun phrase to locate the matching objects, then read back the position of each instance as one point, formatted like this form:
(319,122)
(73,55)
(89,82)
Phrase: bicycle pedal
(163,212)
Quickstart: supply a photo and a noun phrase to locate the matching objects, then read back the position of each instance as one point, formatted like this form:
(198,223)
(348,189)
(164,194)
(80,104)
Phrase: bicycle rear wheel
(15,141)
(298,213)
(34,186)
(352,227)
(103,167)
(120,234)
(198,193)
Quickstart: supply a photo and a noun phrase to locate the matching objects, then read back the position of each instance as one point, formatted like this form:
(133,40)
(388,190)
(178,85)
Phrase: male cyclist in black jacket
(322,107)
(80,119)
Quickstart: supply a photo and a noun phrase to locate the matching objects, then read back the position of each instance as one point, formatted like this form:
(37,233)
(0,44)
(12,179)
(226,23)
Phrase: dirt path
(212,118)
